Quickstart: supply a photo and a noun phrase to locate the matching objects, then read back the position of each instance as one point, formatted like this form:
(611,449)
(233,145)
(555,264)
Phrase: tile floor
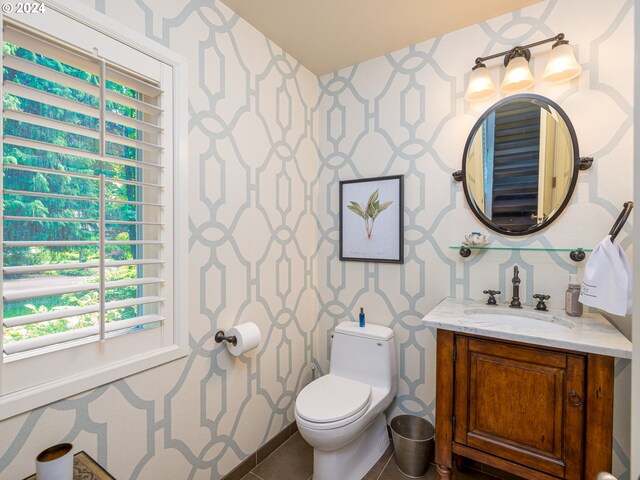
(293,460)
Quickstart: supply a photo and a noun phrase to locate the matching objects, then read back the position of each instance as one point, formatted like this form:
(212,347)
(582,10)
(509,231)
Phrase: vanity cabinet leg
(444,473)
(444,403)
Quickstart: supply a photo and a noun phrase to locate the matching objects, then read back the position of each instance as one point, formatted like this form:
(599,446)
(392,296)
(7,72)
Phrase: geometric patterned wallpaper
(268,144)
(404,113)
(252,236)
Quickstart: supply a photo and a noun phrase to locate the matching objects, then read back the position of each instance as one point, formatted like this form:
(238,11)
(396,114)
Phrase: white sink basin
(518,318)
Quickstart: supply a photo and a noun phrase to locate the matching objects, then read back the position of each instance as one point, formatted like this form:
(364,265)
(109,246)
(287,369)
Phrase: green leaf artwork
(370,212)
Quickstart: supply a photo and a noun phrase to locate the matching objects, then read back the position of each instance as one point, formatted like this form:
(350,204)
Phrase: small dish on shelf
(474,244)
(475,239)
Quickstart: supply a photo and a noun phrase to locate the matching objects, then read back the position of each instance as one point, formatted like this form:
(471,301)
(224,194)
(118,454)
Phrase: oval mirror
(520,164)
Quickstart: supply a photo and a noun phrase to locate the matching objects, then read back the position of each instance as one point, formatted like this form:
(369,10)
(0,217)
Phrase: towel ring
(621,220)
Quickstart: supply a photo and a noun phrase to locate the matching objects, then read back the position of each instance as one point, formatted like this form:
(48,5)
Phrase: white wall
(635,413)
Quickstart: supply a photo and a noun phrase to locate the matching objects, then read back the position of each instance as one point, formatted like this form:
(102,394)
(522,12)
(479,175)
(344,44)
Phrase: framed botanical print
(371,219)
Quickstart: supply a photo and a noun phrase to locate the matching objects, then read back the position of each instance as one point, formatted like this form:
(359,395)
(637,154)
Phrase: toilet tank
(365,354)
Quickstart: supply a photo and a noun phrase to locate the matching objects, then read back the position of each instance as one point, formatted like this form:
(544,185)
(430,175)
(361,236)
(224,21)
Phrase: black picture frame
(359,239)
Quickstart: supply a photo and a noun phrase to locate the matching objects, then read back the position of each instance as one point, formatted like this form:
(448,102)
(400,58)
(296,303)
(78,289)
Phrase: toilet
(341,414)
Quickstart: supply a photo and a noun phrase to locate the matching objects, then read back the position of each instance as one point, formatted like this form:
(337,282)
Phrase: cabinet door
(521,404)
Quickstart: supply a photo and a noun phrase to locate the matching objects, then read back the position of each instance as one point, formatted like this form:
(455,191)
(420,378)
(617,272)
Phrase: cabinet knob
(575,400)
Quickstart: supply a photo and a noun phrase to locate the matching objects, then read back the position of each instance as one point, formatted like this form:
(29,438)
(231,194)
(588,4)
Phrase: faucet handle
(541,297)
(492,298)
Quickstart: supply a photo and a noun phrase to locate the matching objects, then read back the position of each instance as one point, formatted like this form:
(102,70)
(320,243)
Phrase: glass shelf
(576,254)
(541,249)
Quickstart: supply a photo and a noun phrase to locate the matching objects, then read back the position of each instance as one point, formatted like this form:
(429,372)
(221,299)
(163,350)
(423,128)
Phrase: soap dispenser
(572,304)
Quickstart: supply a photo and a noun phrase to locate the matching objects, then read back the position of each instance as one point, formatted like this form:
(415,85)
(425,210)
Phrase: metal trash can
(413,439)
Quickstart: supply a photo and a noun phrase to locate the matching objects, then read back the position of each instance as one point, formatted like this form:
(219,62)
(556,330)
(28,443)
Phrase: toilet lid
(331,398)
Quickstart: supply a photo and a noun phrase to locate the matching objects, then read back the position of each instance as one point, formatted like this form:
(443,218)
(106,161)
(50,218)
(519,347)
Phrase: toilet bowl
(341,415)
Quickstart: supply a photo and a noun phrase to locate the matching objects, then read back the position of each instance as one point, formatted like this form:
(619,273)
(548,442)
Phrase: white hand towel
(607,279)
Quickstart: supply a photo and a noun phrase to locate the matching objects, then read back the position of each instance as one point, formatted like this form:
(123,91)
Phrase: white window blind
(87,220)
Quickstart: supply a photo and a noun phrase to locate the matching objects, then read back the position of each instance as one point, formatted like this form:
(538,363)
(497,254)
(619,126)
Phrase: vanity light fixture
(561,66)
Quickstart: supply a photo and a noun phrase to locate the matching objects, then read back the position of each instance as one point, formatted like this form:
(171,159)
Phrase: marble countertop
(591,333)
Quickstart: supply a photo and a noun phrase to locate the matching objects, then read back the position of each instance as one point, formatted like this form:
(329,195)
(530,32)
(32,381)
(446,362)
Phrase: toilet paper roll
(247,336)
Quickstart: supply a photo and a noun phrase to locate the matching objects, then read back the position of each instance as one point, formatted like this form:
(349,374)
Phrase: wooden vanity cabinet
(537,412)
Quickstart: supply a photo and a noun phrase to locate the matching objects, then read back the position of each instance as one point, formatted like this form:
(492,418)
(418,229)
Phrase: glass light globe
(562,65)
(480,86)
(517,76)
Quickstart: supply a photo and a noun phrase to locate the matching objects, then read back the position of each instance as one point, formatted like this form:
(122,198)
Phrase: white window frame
(175,342)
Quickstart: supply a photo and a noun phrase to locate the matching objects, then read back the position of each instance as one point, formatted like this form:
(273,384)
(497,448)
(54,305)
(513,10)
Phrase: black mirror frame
(576,166)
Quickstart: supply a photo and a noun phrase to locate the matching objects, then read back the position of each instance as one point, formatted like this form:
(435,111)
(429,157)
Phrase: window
(91,181)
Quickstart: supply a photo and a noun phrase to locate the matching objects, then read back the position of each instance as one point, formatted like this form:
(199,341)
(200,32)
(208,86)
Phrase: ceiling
(325,35)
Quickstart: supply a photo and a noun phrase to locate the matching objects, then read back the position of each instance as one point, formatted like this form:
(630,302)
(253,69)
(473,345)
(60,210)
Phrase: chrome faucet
(515,300)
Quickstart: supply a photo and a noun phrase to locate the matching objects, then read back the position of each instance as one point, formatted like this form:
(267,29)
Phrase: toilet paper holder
(240,339)
(221,337)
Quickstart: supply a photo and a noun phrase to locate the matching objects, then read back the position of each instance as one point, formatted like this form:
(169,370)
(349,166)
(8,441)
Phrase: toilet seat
(332,401)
